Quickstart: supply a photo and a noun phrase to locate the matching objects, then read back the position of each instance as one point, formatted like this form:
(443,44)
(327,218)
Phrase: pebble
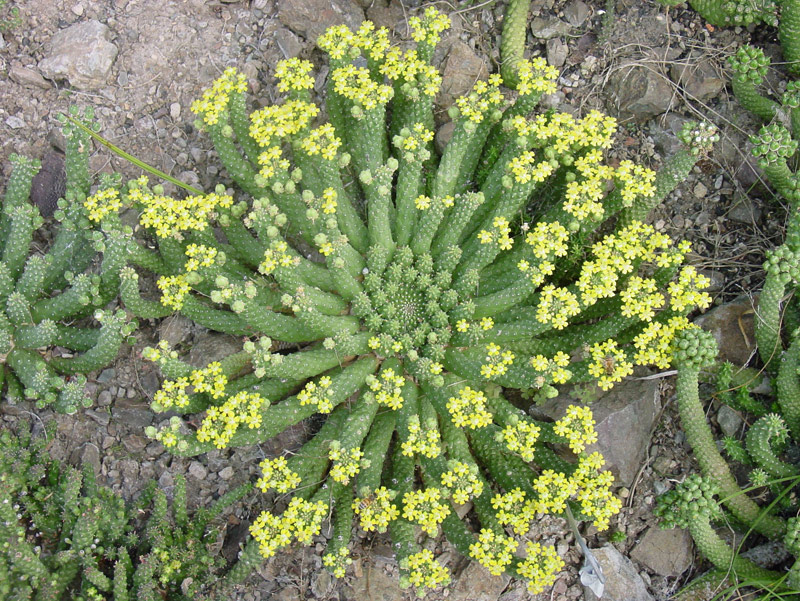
(15,122)
(197,470)
(700,190)
(226,473)
(104,398)
(175,110)
(107,375)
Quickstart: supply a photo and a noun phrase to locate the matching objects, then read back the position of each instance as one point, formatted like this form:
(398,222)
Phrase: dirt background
(170,50)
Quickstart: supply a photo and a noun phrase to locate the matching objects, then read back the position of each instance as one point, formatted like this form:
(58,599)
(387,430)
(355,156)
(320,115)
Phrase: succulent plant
(400,295)
(42,295)
(64,536)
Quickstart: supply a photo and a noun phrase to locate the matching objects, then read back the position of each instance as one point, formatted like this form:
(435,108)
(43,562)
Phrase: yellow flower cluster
(221,423)
(275,473)
(408,67)
(423,203)
(101,203)
(337,41)
(484,95)
(525,168)
(428,28)
(583,199)
(199,255)
(173,289)
(427,443)
(376,510)
(387,388)
(514,510)
(653,343)
(160,354)
(169,436)
(634,181)
(425,572)
(536,75)
(463,481)
(540,567)
(321,141)
(551,370)
(210,379)
(272,162)
(374,42)
(520,436)
(428,508)
(609,364)
(577,426)
(314,393)
(468,409)
(556,306)
(215,100)
(355,84)
(169,216)
(594,491)
(493,551)
(548,241)
(415,138)
(641,298)
(500,233)
(281,120)
(172,393)
(337,562)
(293,74)
(497,363)
(346,462)
(275,256)
(301,520)
(688,290)
(554,490)
(564,134)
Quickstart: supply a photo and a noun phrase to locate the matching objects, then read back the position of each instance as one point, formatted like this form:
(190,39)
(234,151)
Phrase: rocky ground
(140,63)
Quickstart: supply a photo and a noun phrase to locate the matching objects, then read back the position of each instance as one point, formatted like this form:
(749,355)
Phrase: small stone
(665,552)
(134,443)
(101,417)
(476,584)
(132,413)
(547,28)
(556,52)
(175,110)
(729,420)
(700,190)
(82,54)
(623,583)
(77,10)
(15,122)
(321,584)
(744,210)
(226,473)
(310,18)
(733,329)
(165,480)
(28,77)
(638,93)
(461,69)
(576,13)
(104,398)
(288,43)
(107,375)
(197,470)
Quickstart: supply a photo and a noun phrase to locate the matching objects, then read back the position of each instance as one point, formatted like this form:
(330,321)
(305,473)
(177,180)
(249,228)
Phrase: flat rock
(288,43)
(623,583)
(462,68)
(729,420)
(475,583)
(310,18)
(624,417)
(546,28)
(638,93)
(212,346)
(30,78)
(376,585)
(697,77)
(733,329)
(665,552)
(82,54)
(577,12)
(133,413)
(556,52)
